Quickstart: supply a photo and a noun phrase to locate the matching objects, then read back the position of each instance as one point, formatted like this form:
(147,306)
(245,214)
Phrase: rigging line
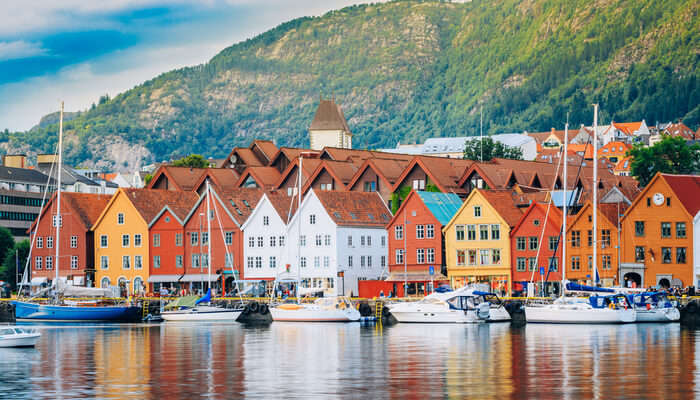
(228,254)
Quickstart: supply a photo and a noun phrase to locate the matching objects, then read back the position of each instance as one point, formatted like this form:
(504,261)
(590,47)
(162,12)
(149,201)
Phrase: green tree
(7,244)
(491,149)
(671,155)
(193,160)
(14,260)
(147,179)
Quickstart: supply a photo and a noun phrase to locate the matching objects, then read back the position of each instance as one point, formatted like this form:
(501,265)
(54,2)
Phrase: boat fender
(611,306)
(692,307)
(648,306)
(263,309)
(253,307)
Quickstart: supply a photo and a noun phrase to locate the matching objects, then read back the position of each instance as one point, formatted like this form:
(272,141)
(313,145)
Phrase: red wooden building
(77,252)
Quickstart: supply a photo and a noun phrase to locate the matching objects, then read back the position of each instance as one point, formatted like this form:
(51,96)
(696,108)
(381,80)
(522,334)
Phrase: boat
(15,336)
(188,308)
(654,307)
(464,305)
(324,309)
(102,308)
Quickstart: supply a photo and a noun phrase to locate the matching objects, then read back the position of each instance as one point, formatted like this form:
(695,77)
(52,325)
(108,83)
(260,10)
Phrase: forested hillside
(403,71)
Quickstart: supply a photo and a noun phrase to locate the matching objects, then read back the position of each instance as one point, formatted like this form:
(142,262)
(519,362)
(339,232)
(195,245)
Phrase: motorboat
(596,309)
(324,309)
(192,308)
(654,307)
(15,336)
(464,305)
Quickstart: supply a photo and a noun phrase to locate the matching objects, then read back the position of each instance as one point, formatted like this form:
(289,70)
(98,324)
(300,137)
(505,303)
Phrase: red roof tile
(267,147)
(240,202)
(354,208)
(687,189)
(504,203)
(149,202)
(265,177)
(184,178)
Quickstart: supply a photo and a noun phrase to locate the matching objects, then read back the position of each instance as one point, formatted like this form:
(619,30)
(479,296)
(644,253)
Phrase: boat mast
(301,158)
(595,194)
(57,217)
(566,201)
(209,242)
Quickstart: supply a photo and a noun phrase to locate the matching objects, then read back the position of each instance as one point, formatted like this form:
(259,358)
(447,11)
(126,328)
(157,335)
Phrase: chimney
(15,160)
(46,159)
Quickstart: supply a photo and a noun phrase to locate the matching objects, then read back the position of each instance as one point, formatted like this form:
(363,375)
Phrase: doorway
(633,277)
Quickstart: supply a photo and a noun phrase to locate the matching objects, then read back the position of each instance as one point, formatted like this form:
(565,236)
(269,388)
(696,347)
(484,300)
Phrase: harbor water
(403,361)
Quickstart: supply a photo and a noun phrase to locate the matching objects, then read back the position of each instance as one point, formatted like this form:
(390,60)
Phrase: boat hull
(202,314)
(670,314)
(28,312)
(553,314)
(314,315)
(411,313)
(23,340)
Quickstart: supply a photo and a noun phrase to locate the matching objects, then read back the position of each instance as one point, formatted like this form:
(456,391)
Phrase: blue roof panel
(442,205)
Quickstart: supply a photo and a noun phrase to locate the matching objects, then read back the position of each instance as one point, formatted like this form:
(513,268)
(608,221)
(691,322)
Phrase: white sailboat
(201,309)
(597,309)
(325,309)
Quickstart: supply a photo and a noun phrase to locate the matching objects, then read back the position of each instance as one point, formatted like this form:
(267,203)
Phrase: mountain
(403,71)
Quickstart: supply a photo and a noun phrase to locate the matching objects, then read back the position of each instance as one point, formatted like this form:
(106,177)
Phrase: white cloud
(19,49)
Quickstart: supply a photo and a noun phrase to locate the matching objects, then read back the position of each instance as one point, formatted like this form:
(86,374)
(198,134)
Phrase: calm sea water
(404,361)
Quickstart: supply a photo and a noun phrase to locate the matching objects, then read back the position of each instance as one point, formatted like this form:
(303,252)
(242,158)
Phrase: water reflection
(405,361)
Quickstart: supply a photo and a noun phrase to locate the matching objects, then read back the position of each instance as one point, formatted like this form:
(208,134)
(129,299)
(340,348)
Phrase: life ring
(263,309)
(254,307)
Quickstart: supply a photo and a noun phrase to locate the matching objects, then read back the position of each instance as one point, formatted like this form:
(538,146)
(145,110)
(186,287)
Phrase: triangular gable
(644,192)
(263,199)
(401,207)
(583,210)
(119,192)
(317,172)
(160,214)
(553,212)
(368,164)
(475,168)
(160,174)
(417,163)
(470,198)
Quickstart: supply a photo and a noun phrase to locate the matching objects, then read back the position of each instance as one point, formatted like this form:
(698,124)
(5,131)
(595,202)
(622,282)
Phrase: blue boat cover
(443,206)
(480,293)
(584,288)
(204,299)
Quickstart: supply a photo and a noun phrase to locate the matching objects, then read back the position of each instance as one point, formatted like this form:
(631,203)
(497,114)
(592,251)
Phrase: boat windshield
(333,302)
(492,298)
(7,331)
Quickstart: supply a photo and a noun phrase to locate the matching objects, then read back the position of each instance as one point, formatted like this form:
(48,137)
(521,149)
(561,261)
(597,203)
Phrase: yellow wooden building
(477,240)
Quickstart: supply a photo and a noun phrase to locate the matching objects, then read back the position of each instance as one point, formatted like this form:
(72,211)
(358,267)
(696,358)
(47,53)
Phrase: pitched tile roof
(613,211)
(614,149)
(88,206)
(627,128)
(387,169)
(503,201)
(444,172)
(184,178)
(309,165)
(224,178)
(679,129)
(267,147)
(341,171)
(247,157)
(554,215)
(329,116)
(359,156)
(354,208)
(265,177)
(149,202)
(285,205)
(240,202)
(624,165)
(687,189)
(24,175)
(442,205)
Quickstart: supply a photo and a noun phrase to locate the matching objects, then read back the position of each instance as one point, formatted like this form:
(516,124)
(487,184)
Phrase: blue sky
(78,50)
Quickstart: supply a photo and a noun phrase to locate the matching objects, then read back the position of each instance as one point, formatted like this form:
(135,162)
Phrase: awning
(198,277)
(163,278)
(38,281)
(415,277)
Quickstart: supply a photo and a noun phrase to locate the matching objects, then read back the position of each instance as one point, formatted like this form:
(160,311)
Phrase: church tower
(329,127)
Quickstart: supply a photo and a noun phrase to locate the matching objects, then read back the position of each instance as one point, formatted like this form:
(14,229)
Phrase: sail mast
(57,217)
(595,194)
(209,242)
(566,201)
(299,232)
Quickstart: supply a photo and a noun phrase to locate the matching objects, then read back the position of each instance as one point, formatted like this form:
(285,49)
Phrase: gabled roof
(24,175)
(442,205)
(308,167)
(149,203)
(387,170)
(628,128)
(679,129)
(285,205)
(239,202)
(687,189)
(624,164)
(359,156)
(554,215)
(87,206)
(329,117)
(504,203)
(182,178)
(342,173)
(614,148)
(354,208)
(180,209)
(609,211)
(445,173)
(266,147)
(265,177)
(224,178)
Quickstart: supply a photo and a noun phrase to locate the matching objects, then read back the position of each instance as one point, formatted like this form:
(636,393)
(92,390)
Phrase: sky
(78,50)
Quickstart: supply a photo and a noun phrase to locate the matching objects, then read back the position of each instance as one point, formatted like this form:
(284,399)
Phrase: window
(327,240)
(430,256)
(369,241)
(495,232)
(477,211)
(74,242)
(461,257)
(258,262)
(399,256)
(430,231)
(125,240)
(195,260)
(49,242)
(382,261)
(520,243)
(349,261)
(273,262)
(553,264)
(521,264)
(639,228)
(250,263)
(420,231)
(604,238)
(178,239)
(362,261)
(205,260)
(49,262)
(317,261)
(483,232)
(419,184)
(302,240)
(666,255)
(420,256)
(533,243)
(471,257)
(639,254)
(398,232)
(680,255)
(104,262)
(137,240)
(665,229)
(194,238)
(126,262)
(680,230)
(228,238)
(349,240)
(590,238)
(281,241)
(178,261)
(319,241)
(251,241)
(484,256)
(496,256)
(459,229)
(312,219)
(576,263)
(471,232)
(606,262)
(57,220)
(553,242)
(327,261)
(575,238)
(531,263)
(156,261)
(273,241)
(39,242)
(266,220)
(120,219)
(261,241)
(37,262)
(229,260)
(138,262)
(156,240)
(370,186)
(383,240)
(205,238)
(590,263)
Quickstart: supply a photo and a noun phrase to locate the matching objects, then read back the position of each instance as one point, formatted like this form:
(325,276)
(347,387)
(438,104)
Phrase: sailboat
(325,309)
(598,308)
(192,309)
(57,308)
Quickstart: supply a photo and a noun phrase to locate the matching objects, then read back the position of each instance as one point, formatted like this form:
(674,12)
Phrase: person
(381,293)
